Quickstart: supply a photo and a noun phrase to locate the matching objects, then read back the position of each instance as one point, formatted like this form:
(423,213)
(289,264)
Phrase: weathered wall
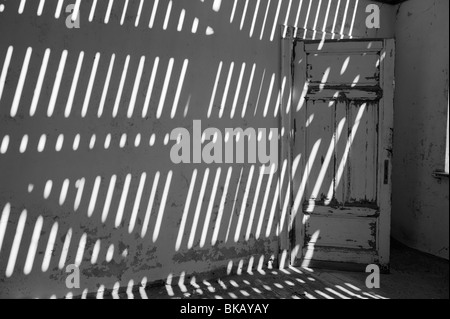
(420,201)
(86,176)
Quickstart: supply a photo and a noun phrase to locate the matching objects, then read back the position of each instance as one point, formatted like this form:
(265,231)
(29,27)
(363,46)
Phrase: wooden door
(343,98)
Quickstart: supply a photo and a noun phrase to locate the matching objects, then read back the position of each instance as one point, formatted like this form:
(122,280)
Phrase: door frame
(291,241)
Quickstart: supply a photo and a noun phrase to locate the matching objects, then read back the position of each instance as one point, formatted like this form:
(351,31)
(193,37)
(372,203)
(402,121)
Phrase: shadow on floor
(414,275)
(292,283)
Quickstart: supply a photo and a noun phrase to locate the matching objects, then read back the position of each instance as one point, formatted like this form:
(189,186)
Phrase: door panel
(320,143)
(341,196)
(362,163)
(357,154)
(353,68)
(340,231)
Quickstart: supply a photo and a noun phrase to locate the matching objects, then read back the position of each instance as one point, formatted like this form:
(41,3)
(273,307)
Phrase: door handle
(295,130)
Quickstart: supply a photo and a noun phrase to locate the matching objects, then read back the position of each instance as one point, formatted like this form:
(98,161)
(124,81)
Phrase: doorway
(341,152)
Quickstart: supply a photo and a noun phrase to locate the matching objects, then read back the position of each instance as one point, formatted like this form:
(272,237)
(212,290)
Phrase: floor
(413,276)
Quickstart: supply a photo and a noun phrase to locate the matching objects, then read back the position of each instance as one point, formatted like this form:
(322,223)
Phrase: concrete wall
(420,201)
(125,213)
